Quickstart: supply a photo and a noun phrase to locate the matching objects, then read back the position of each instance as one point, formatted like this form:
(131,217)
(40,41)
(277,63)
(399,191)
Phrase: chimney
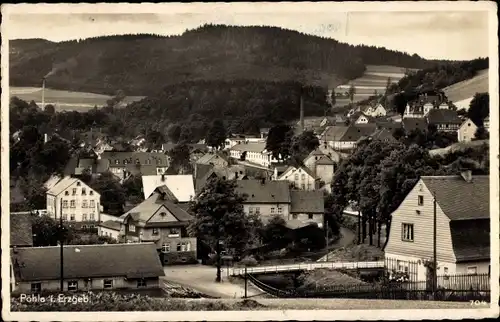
(43,94)
(466,175)
(302,112)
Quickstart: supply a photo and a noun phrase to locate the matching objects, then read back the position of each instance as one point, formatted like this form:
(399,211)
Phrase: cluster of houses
(153,233)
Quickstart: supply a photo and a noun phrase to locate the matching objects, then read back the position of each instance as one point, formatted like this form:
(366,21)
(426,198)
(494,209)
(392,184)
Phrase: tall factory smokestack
(302,112)
(43,93)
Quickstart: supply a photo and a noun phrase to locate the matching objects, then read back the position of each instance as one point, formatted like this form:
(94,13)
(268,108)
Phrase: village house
(384,135)
(21,230)
(376,110)
(218,159)
(36,270)
(445,120)
(323,167)
(110,228)
(298,177)
(75,201)
(236,139)
(92,165)
(345,138)
(124,164)
(252,152)
(203,173)
(182,186)
(161,220)
(362,118)
(196,150)
(467,131)
(463,216)
(414,123)
(265,198)
(307,207)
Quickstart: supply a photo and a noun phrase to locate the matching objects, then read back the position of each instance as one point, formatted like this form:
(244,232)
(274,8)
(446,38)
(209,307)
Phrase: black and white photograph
(250,161)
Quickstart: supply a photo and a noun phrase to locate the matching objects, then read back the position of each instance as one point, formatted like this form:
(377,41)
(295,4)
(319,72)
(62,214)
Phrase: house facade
(445,120)
(160,220)
(345,138)
(265,198)
(307,207)
(252,152)
(462,229)
(299,178)
(376,111)
(123,164)
(35,270)
(181,185)
(75,201)
(467,131)
(242,139)
(110,228)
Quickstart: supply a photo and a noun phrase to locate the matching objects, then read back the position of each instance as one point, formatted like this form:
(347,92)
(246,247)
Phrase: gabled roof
(440,116)
(471,239)
(111,224)
(356,132)
(87,261)
(334,133)
(146,209)
(307,201)
(182,186)
(134,158)
(413,123)
(207,158)
(293,169)
(21,230)
(61,185)
(250,147)
(468,121)
(166,193)
(193,146)
(461,200)
(383,134)
(264,192)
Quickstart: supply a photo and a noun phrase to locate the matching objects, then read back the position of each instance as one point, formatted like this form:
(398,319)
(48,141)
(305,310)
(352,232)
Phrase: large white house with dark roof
(463,226)
(77,202)
(181,185)
(253,152)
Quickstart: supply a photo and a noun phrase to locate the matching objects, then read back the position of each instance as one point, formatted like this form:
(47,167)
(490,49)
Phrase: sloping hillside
(462,93)
(143,64)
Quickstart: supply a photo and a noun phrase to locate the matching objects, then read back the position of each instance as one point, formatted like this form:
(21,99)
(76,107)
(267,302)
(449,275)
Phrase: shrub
(249,261)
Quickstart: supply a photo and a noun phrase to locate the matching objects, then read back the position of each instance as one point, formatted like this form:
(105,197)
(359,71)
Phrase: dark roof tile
(307,201)
(267,192)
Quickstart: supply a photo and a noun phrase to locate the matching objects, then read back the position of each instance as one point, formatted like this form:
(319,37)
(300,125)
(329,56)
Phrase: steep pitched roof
(86,261)
(111,224)
(413,123)
(303,168)
(334,133)
(207,158)
(182,186)
(267,192)
(383,134)
(461,200)
(324,160)
(120,159)
(166,193)
(250,147)
(443,116)
(61,185)
(355,132)
(307,202)
(21,231)
(471,239)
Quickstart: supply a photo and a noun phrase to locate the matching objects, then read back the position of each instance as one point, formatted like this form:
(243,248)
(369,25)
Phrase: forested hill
(143,64)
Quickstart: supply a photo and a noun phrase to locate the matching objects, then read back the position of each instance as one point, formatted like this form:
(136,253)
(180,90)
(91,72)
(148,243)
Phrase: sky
(437,34)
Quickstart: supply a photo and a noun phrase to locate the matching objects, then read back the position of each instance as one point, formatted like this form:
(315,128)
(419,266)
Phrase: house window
(36,287)
(310,216)
(65,216)
(303,176)
(141,283)
(84,217)
(294,216)
(84,204)
(125,162)
(65,203)
(84,192)
(472,270)
(92,216)
(174,232)
(280,210)
(72,204)
(131,227)
(308,186)
(108,283)
(155,231)
(74,192)
(72,285)
(72,217)
(257,210)
(179,247)
(296,176)
(250,210)
(165,248)
(85,227)
(303,186)
(272,210)
(92,204)
(407,232)
(66,193)
(420,200)
(445,270)
(91,193)
(78,183)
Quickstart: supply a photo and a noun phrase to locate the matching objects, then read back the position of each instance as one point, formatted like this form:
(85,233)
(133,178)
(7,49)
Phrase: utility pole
(246,281)
(434,277)
(61,231)
(327,251)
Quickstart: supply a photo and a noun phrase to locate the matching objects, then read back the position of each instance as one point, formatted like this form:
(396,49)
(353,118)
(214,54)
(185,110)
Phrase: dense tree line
(143,64)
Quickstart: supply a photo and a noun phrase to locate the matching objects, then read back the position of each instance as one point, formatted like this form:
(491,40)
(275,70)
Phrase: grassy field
(374,79)
(66,100)
(461,93)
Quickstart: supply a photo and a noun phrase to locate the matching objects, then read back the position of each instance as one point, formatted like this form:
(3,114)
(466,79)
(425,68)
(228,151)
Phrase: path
(348,237)
(202,279)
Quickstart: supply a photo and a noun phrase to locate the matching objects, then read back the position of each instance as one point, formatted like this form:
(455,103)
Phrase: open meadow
(461,93)
(66,100)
